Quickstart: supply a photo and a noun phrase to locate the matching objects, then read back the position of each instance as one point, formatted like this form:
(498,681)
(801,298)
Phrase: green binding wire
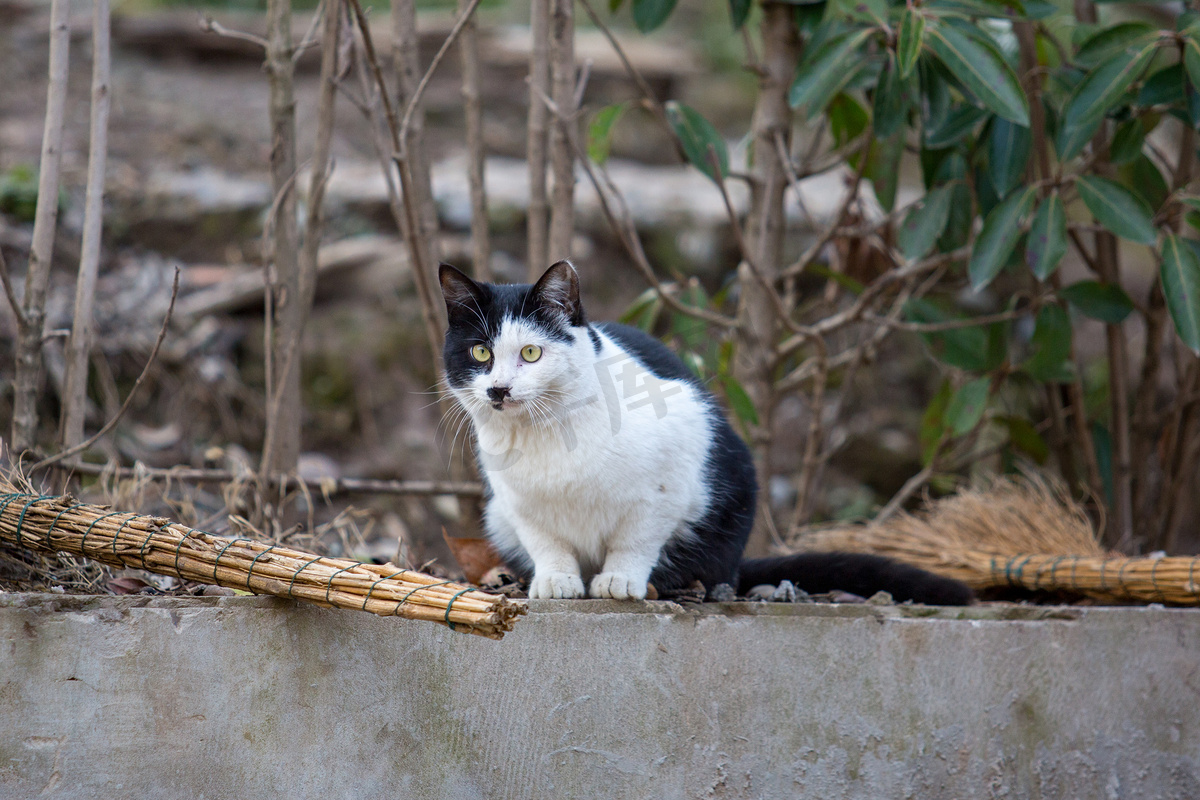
(404,599)
(54,522)
(117,535)
(329,585)
(88,532)
(228,544)
(450,605)
(250,572)
(296,574)
(376,583)
(8,498)
(21,520)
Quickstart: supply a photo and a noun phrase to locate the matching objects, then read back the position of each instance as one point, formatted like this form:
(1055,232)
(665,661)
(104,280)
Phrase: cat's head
(512,349)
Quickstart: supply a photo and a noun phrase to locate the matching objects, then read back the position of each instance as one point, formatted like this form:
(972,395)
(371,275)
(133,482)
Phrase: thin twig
(210,25)
(476,157)
(463,17)
(10,293)
(108,426)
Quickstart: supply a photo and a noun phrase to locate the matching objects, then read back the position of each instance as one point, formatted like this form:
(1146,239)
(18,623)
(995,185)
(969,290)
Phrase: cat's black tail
(859,573)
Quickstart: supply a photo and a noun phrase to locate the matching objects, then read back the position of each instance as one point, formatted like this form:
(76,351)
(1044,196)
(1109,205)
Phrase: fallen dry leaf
(474,555)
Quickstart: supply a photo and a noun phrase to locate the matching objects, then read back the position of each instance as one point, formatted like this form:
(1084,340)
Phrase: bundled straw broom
(1024,533)
(121,539)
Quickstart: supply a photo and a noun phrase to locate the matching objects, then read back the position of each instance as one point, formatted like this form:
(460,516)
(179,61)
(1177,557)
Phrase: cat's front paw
(555,585)
(618,586)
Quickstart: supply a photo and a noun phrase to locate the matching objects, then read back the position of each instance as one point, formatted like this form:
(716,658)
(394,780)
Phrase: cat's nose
(498,393)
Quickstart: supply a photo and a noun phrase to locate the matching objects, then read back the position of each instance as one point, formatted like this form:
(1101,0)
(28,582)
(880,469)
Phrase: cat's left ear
(459,291)
(559,288)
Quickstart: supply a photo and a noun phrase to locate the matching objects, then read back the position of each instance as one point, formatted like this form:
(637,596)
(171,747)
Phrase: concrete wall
(256,698)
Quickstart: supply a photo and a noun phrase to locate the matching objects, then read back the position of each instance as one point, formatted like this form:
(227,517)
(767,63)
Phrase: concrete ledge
(253,697)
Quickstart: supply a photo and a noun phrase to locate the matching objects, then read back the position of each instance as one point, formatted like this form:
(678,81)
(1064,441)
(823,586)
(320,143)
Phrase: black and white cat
(605,457)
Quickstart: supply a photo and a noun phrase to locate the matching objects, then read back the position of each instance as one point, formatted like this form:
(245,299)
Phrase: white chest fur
(597,475)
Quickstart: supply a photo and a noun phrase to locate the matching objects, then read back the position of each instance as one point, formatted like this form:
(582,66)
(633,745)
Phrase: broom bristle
(1009,517)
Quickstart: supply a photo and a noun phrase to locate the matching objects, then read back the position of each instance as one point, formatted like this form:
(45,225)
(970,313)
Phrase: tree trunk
(562,157)
(765,228)
(79,348)
(281,449)
(538,230)
(27,382)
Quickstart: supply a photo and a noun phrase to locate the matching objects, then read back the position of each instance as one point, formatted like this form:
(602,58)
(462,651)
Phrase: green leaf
(649,14)
(599,133)
(999,236)
(840,278)
(1113,40)
(1106,302)
(962,217)
(976,348)
(883,169)
(1180,274)
(1164,87)
(1127,141)
(891,100)
(1191,59)
(966,407)
(1146,181)
(739,400)
(933,422)
(697,135)
(1117,209)
(1024,437)
(1008,152)
(738,11)
(644,310)
(983,72)
(847,119)
(1051,360)
(826,71)
(873,12)
(924,223)
(908,41)
(958,124)
(1047,241)
(1096,94)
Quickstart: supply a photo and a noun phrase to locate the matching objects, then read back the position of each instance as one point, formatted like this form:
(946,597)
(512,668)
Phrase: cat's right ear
(459,291)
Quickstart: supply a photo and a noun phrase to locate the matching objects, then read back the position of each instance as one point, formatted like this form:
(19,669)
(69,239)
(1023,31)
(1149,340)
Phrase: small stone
(722,593)
(217,591)
(761,593)
(838,596)
(786,593)
(881,598)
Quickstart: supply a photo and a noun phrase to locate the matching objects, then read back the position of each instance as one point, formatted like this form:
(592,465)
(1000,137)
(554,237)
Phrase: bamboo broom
(121,539)
(1025,533)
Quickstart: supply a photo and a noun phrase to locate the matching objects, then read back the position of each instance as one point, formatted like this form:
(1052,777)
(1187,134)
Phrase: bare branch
(468,48)
(210,25)
(80,344)
(463,17)
(326,486)
(108,426)
(562,157)
(10,293)
(28,355)
(538,222)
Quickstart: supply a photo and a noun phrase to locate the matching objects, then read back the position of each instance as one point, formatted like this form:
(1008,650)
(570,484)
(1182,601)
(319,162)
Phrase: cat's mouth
(507,402)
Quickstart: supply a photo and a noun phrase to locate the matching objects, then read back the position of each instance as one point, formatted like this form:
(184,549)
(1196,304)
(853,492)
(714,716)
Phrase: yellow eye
(480,353)
(531,353)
